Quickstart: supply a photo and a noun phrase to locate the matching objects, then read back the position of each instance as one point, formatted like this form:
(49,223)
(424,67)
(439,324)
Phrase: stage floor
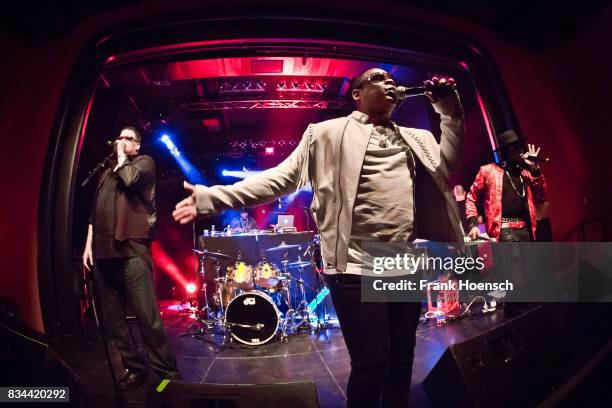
(321,358)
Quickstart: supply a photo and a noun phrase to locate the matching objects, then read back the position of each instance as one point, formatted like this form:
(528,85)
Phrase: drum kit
(249,304)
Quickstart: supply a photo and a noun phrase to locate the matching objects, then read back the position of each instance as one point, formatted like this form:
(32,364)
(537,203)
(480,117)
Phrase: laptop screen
(285,221)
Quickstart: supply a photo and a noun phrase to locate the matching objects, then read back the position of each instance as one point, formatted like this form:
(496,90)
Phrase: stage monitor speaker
(189,395)
(515,364)
(27,360)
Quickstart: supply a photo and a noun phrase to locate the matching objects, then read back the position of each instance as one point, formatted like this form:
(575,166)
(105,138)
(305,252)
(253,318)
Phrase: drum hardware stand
(205,316)
(203,286)
(302,308)
(322,316)
(201,276)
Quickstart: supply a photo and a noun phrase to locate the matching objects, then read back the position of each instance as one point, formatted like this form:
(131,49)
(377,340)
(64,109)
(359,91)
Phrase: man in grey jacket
(372,181)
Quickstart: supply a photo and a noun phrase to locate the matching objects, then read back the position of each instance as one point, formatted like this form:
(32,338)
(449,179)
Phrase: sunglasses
(378,77)
(128,138)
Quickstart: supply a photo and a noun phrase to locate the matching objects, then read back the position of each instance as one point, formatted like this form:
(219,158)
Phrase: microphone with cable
(403,92)
(538,159)
(112,144)
(100,166)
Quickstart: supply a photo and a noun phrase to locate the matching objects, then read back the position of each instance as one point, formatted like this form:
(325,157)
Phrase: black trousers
(515,235)
(516,269)
(122,280)
(380,338)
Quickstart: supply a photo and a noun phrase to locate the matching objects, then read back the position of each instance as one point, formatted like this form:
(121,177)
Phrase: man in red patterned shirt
(507,192)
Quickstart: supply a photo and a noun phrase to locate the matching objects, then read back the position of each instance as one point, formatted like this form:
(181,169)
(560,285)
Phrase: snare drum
(267,275)
(240,275)
(252,318)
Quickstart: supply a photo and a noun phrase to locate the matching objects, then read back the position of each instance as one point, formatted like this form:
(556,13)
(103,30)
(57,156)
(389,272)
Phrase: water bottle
(212,230)
(229,230)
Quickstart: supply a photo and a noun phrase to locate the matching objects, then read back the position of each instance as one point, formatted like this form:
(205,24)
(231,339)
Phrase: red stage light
(269,150)
(190,288)
(211,123)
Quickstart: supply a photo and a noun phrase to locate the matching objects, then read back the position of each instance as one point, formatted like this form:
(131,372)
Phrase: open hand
(530,156)
(186,211)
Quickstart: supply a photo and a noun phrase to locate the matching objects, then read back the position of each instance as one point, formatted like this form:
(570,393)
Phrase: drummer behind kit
(252,305)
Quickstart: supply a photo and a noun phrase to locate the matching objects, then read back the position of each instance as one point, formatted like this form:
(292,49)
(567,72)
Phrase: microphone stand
(96,170)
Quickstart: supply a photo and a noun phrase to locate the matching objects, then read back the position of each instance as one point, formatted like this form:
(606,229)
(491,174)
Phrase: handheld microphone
(403,92)
(538,159)
(109,143)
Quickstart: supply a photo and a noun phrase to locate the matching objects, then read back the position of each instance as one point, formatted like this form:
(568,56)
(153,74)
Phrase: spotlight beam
(191,173)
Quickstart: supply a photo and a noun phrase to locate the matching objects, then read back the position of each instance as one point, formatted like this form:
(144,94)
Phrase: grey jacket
(332,164)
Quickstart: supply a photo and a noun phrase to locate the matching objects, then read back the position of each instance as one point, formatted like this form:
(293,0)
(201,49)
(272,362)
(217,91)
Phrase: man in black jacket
(119,243)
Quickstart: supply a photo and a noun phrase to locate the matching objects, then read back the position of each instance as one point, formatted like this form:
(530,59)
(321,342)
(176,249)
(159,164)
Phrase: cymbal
(213,254)
(282,247)
(298,264)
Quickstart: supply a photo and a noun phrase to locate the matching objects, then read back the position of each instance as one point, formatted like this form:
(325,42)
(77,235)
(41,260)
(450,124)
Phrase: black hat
(507,138)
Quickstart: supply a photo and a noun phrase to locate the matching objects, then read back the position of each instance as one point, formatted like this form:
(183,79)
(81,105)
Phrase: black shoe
(130,379)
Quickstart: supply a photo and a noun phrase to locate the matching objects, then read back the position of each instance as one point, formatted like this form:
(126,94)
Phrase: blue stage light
(191,173)
(241,174)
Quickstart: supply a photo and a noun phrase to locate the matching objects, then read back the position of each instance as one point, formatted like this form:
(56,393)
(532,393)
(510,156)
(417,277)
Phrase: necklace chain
(522,193)
(384,136)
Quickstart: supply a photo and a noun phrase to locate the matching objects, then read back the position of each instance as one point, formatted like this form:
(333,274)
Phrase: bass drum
(253,318)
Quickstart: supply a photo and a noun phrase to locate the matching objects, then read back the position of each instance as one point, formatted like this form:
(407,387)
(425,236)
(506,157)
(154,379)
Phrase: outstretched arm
(264,187)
